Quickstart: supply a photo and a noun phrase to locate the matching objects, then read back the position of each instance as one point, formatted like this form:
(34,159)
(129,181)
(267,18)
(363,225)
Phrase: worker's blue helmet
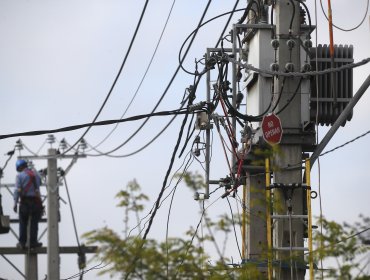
(20,163)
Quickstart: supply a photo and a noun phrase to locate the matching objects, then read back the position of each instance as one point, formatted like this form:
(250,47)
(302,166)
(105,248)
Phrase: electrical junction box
(260,55)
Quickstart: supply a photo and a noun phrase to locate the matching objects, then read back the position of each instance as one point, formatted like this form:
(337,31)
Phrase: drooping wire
(167,88)
(74,224)
(144,75)
(117,76)
(154,212)
(138,150)
(233,222)
(190,243)
(345,144)
(170,208)
(165,198)
(166,177)
(201,25)
(72,213)
(291,98)
(29,150)
(95,267)
(227,23)
(349,29)
(164,185)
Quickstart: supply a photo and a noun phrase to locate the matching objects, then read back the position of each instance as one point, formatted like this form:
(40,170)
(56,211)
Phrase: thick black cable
(196,30)
(188,136)
(292,18)
(166,178)
(100,123)
(160,194)
(150,142)
(116,79)
(280,94)
(138,150)
(164,199)
(144,75)
(223,93)
(227,23)
(291,99)
(349,29)
(308,14)
(169,211)
(167,88)
(164,185)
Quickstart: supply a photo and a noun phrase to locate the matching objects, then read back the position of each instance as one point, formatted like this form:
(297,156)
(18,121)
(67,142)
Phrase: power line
(144,75)
(195,31)
(138,150)
(170,208)
(72,213)
(164,199)
(81,262)
(166,89)
(342,240)
(346,143)
(100,123)
(233,222)
(164,93)
(227,23)
(300,74)
(95,267)
(117,76)
(167,125)
(349,29)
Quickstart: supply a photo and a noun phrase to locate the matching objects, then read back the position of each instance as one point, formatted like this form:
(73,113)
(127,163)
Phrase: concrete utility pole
(288,28)
(53,212)
(53,217)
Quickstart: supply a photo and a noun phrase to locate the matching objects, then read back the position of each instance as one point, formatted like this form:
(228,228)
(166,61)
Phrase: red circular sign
(271,129)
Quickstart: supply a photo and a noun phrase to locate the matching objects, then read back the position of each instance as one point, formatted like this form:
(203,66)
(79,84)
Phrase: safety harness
(31,182)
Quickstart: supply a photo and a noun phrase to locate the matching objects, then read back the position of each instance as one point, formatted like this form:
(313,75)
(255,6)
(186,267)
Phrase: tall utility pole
(288,30)
(53,249)
(53,212)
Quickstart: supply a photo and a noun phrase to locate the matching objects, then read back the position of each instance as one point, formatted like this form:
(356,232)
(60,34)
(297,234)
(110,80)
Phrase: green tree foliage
(343,249)
(175,258)
(131,257)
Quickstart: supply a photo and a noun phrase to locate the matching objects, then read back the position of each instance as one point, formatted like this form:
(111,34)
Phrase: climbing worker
(27,189)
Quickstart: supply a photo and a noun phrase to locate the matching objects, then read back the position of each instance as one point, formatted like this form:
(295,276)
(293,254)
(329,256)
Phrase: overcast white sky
(57,63)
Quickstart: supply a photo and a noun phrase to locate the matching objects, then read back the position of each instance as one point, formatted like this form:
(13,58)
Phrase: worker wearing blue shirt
(27,189)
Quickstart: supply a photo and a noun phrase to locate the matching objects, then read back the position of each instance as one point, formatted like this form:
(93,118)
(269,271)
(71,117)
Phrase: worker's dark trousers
(28,209)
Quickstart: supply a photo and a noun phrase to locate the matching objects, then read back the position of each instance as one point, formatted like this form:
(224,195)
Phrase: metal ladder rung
(287,216)
(293,248)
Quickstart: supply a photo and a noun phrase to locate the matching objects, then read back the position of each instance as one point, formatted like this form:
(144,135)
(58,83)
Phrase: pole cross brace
(292,186)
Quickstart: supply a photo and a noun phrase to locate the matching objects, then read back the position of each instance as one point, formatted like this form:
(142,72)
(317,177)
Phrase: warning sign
(271,129)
